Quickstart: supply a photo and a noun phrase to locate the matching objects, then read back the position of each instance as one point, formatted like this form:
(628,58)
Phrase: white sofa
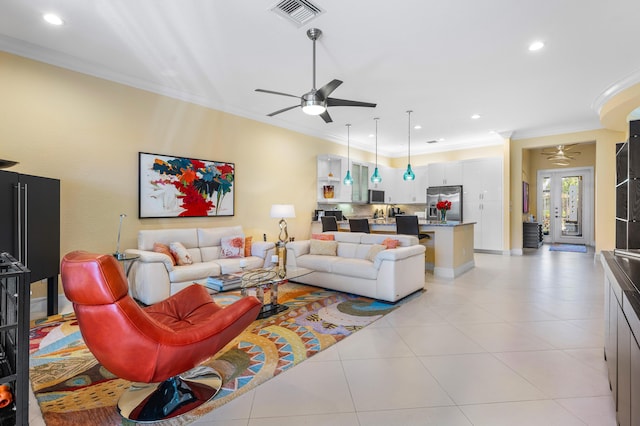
(153,277)
(394,273)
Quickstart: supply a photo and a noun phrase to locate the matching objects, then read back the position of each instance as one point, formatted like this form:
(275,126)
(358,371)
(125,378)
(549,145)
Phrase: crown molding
(615,89)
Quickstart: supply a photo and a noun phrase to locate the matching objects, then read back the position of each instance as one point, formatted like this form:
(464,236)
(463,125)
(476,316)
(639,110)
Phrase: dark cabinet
(628,190)
(14,339)
(30,221)
(622,327)
(531,235)
(635,383)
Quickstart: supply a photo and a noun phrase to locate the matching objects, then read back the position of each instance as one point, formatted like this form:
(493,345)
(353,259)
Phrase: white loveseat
(153,277)
(392,275)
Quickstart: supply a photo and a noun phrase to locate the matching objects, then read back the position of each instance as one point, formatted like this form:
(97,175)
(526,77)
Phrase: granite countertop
(387,222)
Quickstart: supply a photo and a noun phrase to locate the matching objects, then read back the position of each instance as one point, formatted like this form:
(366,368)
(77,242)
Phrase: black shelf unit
(532,234)
(30,227)
(628,190)
(14,338)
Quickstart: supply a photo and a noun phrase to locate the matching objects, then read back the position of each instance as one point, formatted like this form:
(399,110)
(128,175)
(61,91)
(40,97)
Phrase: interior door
(565,205)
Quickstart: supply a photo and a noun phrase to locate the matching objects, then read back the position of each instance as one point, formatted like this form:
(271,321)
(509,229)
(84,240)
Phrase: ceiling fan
(316,101)
(561,155)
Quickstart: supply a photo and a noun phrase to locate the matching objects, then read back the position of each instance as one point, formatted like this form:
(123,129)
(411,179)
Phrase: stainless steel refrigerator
(451,193)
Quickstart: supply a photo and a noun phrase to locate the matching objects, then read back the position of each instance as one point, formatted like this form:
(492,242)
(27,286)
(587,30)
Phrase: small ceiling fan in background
(561,155)
(316,101)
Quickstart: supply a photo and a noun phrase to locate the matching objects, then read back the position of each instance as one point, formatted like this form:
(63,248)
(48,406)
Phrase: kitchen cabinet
(360,175)
(388,180)
(445,173)
(622,326)
(482,200)
(331,170)
(411,192)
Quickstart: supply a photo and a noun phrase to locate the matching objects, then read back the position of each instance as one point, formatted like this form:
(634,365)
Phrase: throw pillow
(163,248)
(181,253)
(390,243)
(374,250)
(324,248)
(247,246)
(324,237)
(232,246)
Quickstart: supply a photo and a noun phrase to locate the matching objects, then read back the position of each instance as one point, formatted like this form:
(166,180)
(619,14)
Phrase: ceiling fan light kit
(316,101)
(561,155)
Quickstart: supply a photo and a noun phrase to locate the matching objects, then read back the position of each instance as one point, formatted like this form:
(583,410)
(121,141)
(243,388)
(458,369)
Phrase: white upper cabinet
(331,172)
(411,192)
(360,174)
(445,173)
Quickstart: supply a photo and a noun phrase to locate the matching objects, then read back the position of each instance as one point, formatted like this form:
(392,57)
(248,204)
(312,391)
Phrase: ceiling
(445,60)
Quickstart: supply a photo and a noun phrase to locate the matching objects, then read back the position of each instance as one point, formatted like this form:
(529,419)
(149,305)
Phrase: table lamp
(282,211)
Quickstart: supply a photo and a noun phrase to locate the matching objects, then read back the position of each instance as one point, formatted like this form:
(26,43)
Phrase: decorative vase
(443,216)
(327,191)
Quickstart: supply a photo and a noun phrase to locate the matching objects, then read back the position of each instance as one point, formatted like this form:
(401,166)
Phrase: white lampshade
(283,210)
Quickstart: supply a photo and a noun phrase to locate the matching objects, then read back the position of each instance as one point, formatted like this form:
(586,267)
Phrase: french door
(565,205)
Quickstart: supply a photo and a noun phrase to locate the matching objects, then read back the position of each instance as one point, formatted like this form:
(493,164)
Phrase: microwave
(376,196)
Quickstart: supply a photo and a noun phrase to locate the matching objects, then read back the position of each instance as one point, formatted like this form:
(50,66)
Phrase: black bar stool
(359,225)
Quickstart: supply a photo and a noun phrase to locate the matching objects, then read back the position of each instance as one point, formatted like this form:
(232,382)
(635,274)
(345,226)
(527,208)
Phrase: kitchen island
(449,251)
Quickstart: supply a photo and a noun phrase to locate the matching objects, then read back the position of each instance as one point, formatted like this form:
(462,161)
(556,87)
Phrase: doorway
(565,205)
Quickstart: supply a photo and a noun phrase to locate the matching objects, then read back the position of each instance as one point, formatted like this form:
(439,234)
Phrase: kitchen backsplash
(368,210)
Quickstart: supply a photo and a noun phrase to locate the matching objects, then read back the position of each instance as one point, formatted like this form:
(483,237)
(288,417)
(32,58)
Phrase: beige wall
(87,132)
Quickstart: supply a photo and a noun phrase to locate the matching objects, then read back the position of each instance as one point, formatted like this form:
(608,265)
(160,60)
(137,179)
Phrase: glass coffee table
(262,280)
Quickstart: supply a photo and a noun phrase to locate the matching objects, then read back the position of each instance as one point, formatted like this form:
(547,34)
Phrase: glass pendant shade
(348,180)
(375,177)
(409,175)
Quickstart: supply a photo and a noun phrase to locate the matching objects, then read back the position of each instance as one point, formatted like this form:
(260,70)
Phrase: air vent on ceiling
(299,12)
(432,141)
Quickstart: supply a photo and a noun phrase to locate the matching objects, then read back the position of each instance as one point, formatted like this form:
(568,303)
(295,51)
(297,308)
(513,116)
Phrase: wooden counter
(449,251)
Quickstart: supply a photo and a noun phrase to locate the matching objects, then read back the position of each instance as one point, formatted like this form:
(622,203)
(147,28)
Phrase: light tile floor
(516,340)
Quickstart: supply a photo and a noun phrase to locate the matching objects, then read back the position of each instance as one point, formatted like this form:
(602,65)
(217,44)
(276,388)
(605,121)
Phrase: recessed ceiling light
(441,139)
(417,127)
(372,135)
(475,116)
(536,45)
(53,19)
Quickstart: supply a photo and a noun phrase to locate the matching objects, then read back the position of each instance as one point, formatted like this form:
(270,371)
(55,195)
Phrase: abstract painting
(184,187)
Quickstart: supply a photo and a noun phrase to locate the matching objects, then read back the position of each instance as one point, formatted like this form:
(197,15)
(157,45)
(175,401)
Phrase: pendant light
(409,175)
(375,177)
(348,180)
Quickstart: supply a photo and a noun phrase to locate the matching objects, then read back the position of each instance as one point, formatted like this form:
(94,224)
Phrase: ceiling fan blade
(282,110)
(277,93)
(344,102)
(570,146)
(326,117)
(328,88)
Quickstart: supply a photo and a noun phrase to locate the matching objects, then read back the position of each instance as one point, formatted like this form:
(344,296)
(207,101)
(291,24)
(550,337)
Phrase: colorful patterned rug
(73,388)
(574,248)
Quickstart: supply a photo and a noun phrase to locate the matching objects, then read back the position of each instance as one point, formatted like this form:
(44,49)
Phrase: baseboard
(38,307)
(453,272)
